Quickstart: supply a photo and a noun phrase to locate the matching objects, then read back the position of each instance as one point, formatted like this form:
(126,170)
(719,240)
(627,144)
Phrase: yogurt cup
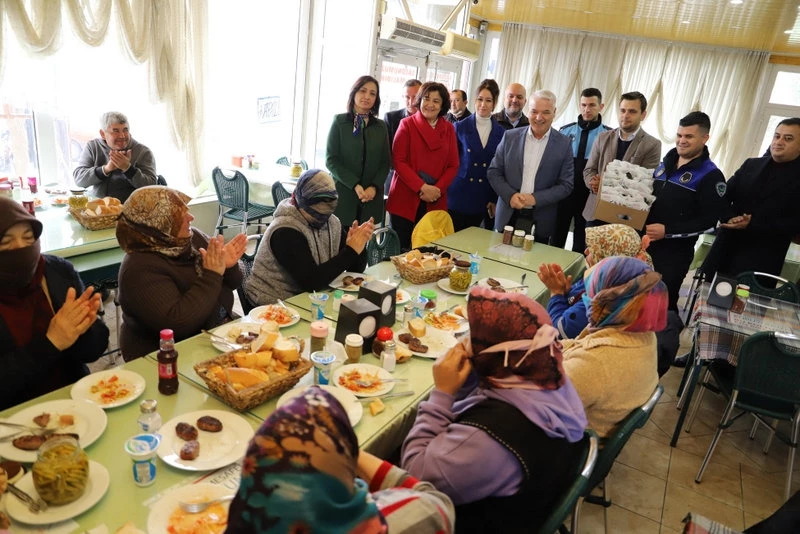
(142,450)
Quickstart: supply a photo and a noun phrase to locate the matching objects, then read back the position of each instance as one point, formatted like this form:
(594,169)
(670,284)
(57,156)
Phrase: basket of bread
(423,267)
(99,213)
(270,366)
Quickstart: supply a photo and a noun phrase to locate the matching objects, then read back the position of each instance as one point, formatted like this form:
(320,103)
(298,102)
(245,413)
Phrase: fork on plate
(368,383)
(42,432)
(34,505)
(197,507)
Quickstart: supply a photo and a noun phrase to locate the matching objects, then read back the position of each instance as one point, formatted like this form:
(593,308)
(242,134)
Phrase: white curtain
(675,79)
(167,35)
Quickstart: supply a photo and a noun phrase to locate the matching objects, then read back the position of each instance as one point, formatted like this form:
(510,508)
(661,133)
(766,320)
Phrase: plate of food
(204,440)
(284,316)
(503,285)
(444,283)
(96,486)
(59,202)
(166,514)
(347,399)
(449,322)
(403,296)
(77,417)
(110,388)
(363,379)
(423,341)
(240,333)
(349,281)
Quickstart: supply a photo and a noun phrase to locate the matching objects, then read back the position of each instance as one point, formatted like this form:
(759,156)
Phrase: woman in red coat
(425,159)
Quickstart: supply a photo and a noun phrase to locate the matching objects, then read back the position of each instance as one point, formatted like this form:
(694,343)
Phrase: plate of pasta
(284,316)
(109,388)
(449,322)
(166,514)
(363,379)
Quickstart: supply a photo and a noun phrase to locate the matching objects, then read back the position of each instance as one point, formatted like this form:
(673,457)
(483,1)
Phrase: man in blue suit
(531,171)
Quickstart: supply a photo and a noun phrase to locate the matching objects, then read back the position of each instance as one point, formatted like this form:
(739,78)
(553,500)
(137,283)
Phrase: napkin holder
(722,292)
(384,296)
(360,317)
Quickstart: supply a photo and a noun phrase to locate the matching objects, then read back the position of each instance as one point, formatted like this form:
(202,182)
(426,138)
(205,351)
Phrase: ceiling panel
(751,24)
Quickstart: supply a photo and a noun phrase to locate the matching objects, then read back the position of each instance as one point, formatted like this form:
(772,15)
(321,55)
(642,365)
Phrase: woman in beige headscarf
(173,276)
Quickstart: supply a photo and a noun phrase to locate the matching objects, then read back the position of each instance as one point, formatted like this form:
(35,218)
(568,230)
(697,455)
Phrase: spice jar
(528,244)
(384,334)
(78,199)
(319,335)
(519,238)
(460,277)
(508,233)
(353,347)
(60,471)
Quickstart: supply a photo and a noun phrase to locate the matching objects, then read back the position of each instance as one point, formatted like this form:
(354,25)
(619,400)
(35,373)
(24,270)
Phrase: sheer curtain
(168,36)
(675,78)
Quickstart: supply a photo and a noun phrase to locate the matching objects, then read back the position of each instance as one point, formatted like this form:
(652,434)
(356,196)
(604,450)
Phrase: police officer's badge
(721,188)
(685,178)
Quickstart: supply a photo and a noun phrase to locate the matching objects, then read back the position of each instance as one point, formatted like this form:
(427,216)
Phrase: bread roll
(245,377)
(417,327)
(429,263)
(402,354)
(376,407)
(265,341)
(413,255)
(285,350)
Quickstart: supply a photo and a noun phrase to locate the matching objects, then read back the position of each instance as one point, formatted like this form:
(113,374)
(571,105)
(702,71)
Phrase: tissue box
(628,194)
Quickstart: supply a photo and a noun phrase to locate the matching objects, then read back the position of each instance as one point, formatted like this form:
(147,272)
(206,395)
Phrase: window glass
(393,78)
(786,90)
(18,153)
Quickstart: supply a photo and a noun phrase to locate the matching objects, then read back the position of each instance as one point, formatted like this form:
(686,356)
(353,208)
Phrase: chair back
(613,445)
(161,180)
(786,291)
(246,264)
(434,225)
(283,160)
(768,369)
(233,192)
(279,192)
(565,505)
(383,244)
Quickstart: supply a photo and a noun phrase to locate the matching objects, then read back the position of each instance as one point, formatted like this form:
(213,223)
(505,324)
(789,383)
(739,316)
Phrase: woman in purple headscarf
(503,449)
(613,362)
(304,473)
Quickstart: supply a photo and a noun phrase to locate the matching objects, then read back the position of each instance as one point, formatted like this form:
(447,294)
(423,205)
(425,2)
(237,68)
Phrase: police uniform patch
(721,188)
(661,170)
(685,178)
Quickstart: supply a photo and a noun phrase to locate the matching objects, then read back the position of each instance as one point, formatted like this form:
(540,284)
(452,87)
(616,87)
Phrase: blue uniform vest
(686,179)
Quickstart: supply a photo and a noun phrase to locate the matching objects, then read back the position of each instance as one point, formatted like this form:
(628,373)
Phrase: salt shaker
(388,358)
(150,420)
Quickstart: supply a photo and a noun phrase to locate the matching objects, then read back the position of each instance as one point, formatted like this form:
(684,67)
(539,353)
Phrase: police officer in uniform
(690,191)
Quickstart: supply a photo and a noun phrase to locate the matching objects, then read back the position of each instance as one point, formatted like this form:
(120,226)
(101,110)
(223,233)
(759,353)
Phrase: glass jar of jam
(460,277)
(78,199)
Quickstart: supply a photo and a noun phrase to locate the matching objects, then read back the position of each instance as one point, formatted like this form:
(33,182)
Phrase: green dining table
(124,500)
(489,245)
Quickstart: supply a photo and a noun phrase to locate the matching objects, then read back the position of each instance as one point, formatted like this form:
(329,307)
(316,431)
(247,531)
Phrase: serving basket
(415,275)
(254,395)
(97,222)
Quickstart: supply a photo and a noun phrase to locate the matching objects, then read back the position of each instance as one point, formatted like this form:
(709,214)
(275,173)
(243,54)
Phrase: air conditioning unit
(407,33)
(461,47)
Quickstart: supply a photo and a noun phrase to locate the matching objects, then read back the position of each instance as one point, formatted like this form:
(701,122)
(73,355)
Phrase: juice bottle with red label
(167,364)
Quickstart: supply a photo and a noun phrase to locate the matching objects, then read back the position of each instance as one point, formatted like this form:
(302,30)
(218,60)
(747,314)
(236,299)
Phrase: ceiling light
(737,2)
(788,32)
(588,12)
(684,22)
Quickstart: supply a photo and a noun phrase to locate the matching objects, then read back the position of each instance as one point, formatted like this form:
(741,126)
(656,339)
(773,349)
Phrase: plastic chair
(612,446)
(766,384)
(285,161)
(434,225)
(279,192)
(246,264)
(786,291)
(161,180)
(567,502)
(383,244)
(234,194)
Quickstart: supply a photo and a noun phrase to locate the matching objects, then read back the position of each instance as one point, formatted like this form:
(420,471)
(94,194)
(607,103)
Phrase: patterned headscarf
(617,240)
(151,220)
(299,473)
(316,194)
(625,293)
(514,344)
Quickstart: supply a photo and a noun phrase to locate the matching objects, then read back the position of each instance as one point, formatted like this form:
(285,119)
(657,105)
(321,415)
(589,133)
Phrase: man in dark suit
(458,106)
(531,171)
(393,118)
(513,113)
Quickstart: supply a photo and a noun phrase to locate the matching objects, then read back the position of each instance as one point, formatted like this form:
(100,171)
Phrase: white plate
(90,422)
(444,283)
(217,449)
(337,282)
(366,369)
(438,342)
(403,296)
(255,314)
(504,282)
(224,330)
(348,400)
(460,328)
(134,382)
(162,510)
(96,487)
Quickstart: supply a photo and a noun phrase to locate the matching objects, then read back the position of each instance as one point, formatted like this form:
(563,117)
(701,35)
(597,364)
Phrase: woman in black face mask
(306,247)
(48,320)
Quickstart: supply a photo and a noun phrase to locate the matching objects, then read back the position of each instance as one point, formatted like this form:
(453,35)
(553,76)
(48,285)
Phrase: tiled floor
(652,485)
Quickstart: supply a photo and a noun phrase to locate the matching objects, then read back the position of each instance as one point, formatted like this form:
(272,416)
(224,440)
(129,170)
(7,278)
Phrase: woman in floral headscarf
(304,473)
(501,447)
(566,308)
(613,361)
(48,320)
(172,275)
